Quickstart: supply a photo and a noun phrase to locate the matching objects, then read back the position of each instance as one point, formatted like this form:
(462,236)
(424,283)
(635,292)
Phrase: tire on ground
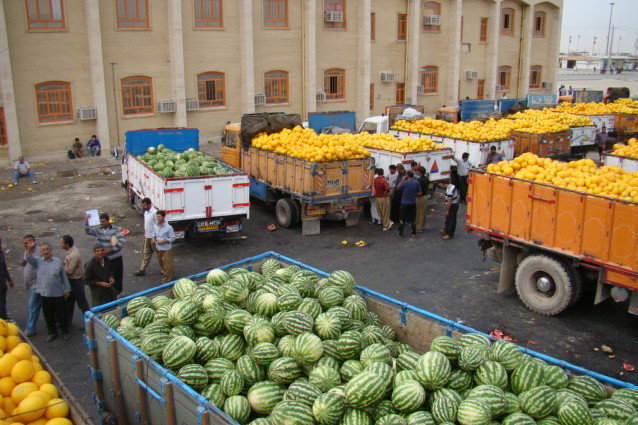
(285,212)
(565,284)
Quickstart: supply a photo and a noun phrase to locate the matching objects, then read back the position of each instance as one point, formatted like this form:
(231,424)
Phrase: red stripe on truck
(241,184)
(178,189)
(174,211)
(247,204)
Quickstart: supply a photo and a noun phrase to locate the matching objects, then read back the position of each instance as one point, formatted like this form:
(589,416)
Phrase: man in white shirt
(150,221)
(451,209)
(22,169)
(463,166)
(163,241)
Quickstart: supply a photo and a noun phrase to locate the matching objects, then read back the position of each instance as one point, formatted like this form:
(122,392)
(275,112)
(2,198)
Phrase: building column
(412,51)
(363,88)
(554,54)
(98,83)
(310,58)
(492,54)
(247,59)
(176,51)
(452,96)
(526,51)
(8,95)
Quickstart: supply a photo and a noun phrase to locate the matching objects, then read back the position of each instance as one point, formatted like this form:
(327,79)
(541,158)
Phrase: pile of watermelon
(286,347)
(190,163)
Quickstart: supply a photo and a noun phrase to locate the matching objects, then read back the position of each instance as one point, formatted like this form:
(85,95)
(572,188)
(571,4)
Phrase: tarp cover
(333,129)
(253,124)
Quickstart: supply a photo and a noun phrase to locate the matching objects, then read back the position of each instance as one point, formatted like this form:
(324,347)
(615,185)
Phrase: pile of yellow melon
(595,108)
(27,395)
(407,144)
(547,121)
(630,149)
(487,131)
(626,101)
(581,175)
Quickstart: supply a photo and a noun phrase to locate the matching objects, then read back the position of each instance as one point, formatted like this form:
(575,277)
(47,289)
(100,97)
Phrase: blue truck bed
(177,139)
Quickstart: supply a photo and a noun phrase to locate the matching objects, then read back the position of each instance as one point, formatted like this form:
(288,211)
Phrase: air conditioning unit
(192,104)
(87,113)
(432,20)
(471,75)
(420,89)
(333,16)
(260,99)
(388,77)
(546,85)
(166,106)
(321,96)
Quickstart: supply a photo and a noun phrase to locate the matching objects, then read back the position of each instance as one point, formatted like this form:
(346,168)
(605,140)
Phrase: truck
(347,120)
(552,242)
(137,390)
(435,161)
(627,163)
(303,192)
(468,110)
(196,207)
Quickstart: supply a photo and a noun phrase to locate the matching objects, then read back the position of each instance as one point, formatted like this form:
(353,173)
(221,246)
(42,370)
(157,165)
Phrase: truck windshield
(369,127)
(228,139)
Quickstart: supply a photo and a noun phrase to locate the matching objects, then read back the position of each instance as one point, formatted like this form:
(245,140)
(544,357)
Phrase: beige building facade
(74,68)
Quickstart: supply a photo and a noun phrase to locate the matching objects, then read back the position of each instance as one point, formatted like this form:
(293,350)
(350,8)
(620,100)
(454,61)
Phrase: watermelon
(471,357)
(460,380)
(356,417)
(194,375)
(446,345)
(296,322)
(270,266)
(324,377)
(408,396)
(444,409)
(350,368)
(250,371)
(311,306)
(507,354)
(179,352)
(327,326)
(329,408)
(433,370)
(614,408)
(391,419)
(111,320)
(628,394)
(215,395)
(232,346)
(342,279)
(538,402)
(527,376)
(588,387)
(284,370)
(231,382)
(183,288)
(238,408)
(137,303)
(303,391)
(264,396)
(308,348)
(235,291)
(364,390)
(473,412)
(555,377)
(264,353)
(183,312)
(420,418)
(153,345)
(330,296)
(518,419)
(206,349)
(144,316)
(474,339)
(217,277)
(574,414)
(491,373)
(215,368)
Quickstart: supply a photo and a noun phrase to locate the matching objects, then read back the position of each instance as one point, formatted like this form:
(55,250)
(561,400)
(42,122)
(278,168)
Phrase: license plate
(316,212)
(180,234)
(232,228)
(208,228)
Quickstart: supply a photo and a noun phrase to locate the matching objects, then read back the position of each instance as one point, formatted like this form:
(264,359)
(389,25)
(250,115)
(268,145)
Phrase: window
(372,97)
(132,14)
(373,18)
(276,87)
(276,13)
(402,26)
(399,97)
(483,36)
(504,77)
(137,95)
(331,20)
(3,129)
(54,103)
(432,16)
(334,83)
(539,24)
(430,79)
(211,89)
(209,14)
(480,92)
(507,21)
(45,14)
(536,77)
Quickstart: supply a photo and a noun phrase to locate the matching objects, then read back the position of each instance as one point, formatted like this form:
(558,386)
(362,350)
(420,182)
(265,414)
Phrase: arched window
(54,101)
(276,87)
(334,83)
(504,78)
(137,95)
(539,23)
(430,79)
(211,89)
(431,16)
(507,21)
(536,77)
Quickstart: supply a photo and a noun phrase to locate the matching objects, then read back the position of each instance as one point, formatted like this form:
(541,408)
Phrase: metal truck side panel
(344,119)
(627,163)
(177,139)
(436,162)
(582,136)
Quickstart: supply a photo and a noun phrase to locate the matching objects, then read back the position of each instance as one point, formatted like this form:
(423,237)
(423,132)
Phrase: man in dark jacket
(5,280)
(99,277)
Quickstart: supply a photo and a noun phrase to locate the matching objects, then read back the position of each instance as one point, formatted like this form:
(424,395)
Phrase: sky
(590,18)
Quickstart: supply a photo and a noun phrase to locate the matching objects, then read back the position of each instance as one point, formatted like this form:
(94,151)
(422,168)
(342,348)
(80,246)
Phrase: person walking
(452,198)
(410,189)
(21,169)
(397,194)
(53,287)
(163,241)
(74,268)
(463,166)
(30,278)
(382,191)
(150,220)
(111,239)
(99,277)
(5,283)
(421,200)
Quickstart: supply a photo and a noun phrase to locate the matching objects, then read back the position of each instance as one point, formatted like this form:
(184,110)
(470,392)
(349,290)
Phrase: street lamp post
(609,41)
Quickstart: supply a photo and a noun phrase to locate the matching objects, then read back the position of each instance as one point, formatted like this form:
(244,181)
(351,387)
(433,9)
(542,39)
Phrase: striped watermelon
(111,320)
(474,339)
(250,371)
(179,352)
(507,354)
(364,390)
(153,345)
(518,419)
(310,306)
(555,377)
(237,271)
(160,301)
(444,409)
(538,402)
(344,280)
(388,332)
(286,345)
(512,403)
(628,394)
(302,390)
(527,376)
(356,417)
(328,326)
(408,396)
(374,353)
(372,318)
(286,288)
(403,375)
(215,395)
(296,322)
(289,301)
(217,277)
(330,296)
(614,408)
(421,418)
(183,312)
(329,408)
(232,347)
(284,370)
(574,414)
(328,361)
(460,380)
(407,360)
(235,291)
(266,304)
(607,421)
(384,370)
(446,345)
(473,412)
(350,345)
(133,306)
(550,420)
(194,375)
(213,320)
(264,353)
(292,412)
(356,305)
(589,388)
(493,396)
(144,316)
(384,407)
(391,419)
(471,357)
(270,266)
(162,313)
(632,420)
(231,382)
(372,334)
(206,349)
(257,334)
(238,408)
(308,348)
(433,370)
(182,330)
(264,396)
(183,288)
(324,377)
(215,368)
(491,373)
(350,368)
(565,395)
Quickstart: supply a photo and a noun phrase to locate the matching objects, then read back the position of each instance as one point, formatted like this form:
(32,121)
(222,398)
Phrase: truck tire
(285,212)
(545,285)
(297,213)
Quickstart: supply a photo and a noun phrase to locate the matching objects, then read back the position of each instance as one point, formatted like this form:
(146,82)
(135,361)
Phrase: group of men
(56,285)
(93,146)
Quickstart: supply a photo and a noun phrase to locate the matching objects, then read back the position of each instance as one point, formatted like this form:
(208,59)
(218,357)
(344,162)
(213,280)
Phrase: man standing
(53,287)
(493,157)
(21,168)
(74,268)
(30,282)
(111,239)
(603,140)
(163,241)
(382,194)
(451,208)
(392,177)
(410,189)
(421,200)
(5,280)
(463,166)
(150,220)
(98,276)
(94,146)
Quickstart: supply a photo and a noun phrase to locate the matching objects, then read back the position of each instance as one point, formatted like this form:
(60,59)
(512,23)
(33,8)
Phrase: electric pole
(609,39)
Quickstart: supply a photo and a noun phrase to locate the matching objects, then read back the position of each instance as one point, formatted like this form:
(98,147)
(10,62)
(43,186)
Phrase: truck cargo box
(609,121)
(436,161)
(582,136)
(626,122)
(544,145)
(627,163)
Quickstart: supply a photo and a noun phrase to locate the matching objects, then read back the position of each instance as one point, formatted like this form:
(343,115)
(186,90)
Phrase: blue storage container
(177,139)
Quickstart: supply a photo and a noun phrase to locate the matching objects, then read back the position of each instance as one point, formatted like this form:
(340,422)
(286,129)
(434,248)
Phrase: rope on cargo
(35,410)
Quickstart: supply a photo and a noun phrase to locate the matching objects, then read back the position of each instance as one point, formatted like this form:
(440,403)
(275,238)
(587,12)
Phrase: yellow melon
(12,342)
(23,351)
(50,389)
(22,371)
(3,343)
(59,421)
(7,362)
(7,404)
(31,408)
(37,367)
(42,394)
(35,359)
(57,408)
(41,377)
(21,391)
(7,384)
(12,329)
(41,421)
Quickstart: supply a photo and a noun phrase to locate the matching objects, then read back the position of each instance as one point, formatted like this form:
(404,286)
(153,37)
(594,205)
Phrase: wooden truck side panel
(626,122)
(543,145)
(595,229)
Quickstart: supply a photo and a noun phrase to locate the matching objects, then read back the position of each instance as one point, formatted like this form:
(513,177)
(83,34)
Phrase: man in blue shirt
(94,146)
(163,241)
(410,190)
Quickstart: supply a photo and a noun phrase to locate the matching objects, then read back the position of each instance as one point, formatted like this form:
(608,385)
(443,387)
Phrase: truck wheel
(297,213)
(545,285)
(285,212)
